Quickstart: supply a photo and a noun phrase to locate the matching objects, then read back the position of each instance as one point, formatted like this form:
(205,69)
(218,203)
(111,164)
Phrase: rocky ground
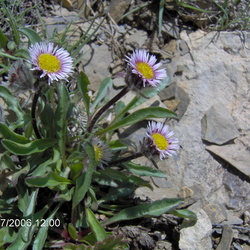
(209,90)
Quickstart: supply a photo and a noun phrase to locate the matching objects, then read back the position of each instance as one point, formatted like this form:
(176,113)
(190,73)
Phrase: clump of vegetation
(61,166)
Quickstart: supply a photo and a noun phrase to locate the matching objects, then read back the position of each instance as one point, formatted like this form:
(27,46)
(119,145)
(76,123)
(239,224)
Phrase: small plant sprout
(160,140)
(55,63)
(144,66)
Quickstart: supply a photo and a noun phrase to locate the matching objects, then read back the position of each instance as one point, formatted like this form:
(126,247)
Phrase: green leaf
(47,118)
(154,209)
(83,181)
(103,179)
(112,242)
(6,133)
(25,234)
(72,231)
(35,146)
(13,23)
(31,35)
(185,214)
(102,91)
(137,100)
(12,104)
(116,193)
(149,92)
(3,40)
(95,226)
(6,162)
(49,180)
(5,207)
(117,145)
(42,234)
(22,53)
(143,170)
(139,115)
(61,118)
(115,174)
(82,83)
(140,182)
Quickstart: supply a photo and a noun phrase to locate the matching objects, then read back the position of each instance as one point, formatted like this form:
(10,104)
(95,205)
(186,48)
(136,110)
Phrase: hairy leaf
(83,181)
(35,146)
(30,34)
(95,226)
(49,180)
(102,91)
(6,133)
(82,83)
(144,170)
(139,115)
(154,209)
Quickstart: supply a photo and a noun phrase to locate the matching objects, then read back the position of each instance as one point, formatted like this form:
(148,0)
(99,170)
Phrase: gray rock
(119,82)
(234,154)
(136,39)
(198,236)
(168,92)
(218,125)
(226,239)
(95,67)
(171,29)
(163,245)
(233,220)
(156,194)
(216,212)
(209,75)
(235,193)
(184,99)
(247,217)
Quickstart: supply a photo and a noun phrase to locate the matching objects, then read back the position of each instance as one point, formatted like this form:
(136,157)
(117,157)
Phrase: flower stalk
(125,159)
(33,114)
(123,92)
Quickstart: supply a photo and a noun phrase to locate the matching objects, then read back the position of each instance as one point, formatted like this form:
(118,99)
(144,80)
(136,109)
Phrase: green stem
(33,114)
(123,92)
(125,159)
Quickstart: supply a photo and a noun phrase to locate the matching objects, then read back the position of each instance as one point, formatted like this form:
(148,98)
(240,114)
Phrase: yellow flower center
(49,63)
(98,153)
(160,141)
(145,69)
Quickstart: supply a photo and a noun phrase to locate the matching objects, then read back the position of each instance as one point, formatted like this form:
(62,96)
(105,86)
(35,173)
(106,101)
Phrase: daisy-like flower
(103,153)
(54,62)
(145,67)
(159,137)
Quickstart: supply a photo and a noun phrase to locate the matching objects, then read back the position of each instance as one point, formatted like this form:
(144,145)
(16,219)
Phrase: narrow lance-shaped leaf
(43,231)
(154,209)
(102,91)
(95,226)
(12,103)
(61,118)
(83,181)
(25,234)
(82,83)
(185,213)
(35,146)
(48,180)
(139,115)
(144,170)
(3,40)
(6,133)
(31,34)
